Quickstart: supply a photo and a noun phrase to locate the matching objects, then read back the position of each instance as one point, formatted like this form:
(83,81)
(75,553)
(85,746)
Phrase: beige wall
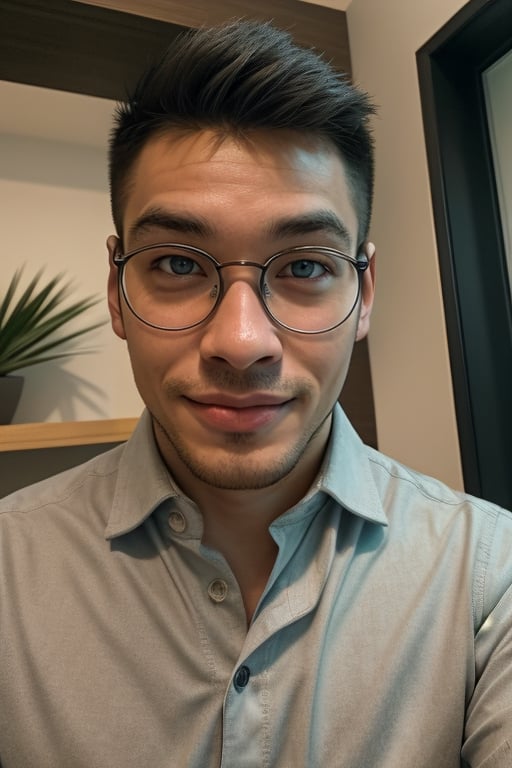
(55,214)
(408,347)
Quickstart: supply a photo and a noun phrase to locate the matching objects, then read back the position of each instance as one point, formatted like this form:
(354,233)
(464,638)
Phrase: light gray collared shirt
(383,638)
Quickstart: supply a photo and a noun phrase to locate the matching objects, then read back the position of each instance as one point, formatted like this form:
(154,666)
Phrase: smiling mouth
(246,414)
(254,400)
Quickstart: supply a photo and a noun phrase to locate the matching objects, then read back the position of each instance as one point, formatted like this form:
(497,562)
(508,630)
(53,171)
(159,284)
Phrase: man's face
(239,402)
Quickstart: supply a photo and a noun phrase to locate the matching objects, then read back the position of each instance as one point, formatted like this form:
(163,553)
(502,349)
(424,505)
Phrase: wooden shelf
(22,437)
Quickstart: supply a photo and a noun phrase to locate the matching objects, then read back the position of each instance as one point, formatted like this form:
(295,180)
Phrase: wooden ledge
(22,437)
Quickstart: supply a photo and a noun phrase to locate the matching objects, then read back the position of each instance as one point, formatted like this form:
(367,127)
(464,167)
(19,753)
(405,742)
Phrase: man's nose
(240,332)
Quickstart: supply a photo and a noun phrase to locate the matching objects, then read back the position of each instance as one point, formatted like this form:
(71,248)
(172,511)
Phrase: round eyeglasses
(307,289)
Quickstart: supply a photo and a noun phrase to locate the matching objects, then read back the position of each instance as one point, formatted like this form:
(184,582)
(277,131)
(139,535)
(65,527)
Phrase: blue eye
(178,265)
(306,268)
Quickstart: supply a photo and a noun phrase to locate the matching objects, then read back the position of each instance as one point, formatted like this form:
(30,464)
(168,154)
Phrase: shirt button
(217,590)
(177,522)
(241,679)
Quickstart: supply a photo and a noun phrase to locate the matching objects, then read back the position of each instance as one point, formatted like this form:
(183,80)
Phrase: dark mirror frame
(474,274)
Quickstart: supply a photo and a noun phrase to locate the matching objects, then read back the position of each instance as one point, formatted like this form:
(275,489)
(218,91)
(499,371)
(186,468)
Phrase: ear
(367,293)
(114,299)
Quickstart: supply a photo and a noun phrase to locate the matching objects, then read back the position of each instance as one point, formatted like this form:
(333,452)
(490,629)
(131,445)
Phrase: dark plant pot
(10,393)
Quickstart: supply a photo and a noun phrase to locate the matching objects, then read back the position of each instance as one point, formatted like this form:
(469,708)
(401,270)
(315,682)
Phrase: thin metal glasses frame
(360,264)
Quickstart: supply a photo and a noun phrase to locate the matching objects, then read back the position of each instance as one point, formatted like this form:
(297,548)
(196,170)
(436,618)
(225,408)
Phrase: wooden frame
(22,437)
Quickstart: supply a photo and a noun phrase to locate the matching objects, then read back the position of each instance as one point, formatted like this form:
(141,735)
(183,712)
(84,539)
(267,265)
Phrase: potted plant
(31,331)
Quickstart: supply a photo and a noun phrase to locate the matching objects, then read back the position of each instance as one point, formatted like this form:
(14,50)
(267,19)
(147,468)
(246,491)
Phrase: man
(244,583)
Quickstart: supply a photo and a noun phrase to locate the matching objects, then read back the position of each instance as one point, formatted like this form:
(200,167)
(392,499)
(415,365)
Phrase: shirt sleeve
(488,733)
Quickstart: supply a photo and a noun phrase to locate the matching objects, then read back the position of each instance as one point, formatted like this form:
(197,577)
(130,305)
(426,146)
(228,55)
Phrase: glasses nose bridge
(243,263)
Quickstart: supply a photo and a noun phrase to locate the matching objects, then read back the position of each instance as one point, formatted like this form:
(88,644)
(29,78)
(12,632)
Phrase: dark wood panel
(75,47)
(324,28)
(97,50)
(357,395)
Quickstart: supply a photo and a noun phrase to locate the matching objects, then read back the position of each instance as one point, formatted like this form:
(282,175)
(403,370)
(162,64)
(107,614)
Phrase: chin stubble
(243,470)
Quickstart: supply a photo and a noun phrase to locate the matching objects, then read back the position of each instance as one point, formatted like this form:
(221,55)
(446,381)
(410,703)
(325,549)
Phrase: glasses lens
(170,286)
(306,289)
(311,290)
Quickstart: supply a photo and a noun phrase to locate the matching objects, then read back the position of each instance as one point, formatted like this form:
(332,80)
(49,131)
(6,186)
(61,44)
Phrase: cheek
(153,361)
(326,358)
(155,353)
(334,373)
(145,347)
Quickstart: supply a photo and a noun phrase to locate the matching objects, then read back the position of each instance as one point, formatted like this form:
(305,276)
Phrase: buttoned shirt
(383,638)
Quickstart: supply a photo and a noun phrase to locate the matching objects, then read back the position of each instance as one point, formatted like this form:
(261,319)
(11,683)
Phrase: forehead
(238,182)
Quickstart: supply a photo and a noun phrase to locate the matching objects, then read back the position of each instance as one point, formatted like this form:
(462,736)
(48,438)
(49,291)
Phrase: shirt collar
(143,481)
(346,474)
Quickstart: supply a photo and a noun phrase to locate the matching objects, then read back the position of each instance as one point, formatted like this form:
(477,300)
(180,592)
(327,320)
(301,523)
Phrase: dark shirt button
(242,678)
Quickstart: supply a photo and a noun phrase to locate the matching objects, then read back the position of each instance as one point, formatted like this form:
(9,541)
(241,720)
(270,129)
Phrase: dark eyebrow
(184,223)
(308,223)
(322,220)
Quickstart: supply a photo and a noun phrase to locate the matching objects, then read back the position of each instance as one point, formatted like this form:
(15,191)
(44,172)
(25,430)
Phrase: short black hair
(238,77)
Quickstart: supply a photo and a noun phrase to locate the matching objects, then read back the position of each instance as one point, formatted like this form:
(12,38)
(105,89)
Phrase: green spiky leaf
(30,324)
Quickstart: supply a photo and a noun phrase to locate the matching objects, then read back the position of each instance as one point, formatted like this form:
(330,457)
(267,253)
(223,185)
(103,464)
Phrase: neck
(244,541)
(236,522)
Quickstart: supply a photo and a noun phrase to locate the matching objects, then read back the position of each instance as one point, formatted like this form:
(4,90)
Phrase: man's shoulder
(399,483)
(427,517)
(65,486)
